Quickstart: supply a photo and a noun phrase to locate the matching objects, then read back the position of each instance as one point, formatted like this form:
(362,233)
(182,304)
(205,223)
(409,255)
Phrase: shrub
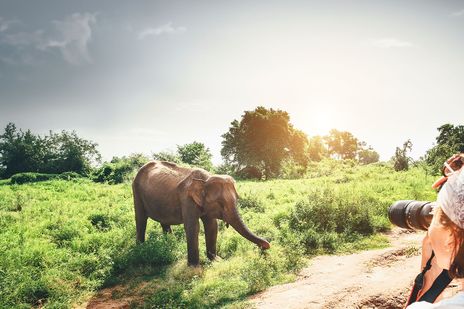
(157,250)
(292,170)
(250,172)
(22,178)
(119,170)
(100,221)
(251,202)
(329,216)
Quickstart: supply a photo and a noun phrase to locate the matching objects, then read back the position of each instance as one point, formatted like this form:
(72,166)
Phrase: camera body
(410,214)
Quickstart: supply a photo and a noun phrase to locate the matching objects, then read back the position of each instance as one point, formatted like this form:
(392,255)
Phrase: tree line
(258,145)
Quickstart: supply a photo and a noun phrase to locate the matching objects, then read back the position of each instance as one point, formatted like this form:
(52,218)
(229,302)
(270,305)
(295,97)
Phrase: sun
(322,120)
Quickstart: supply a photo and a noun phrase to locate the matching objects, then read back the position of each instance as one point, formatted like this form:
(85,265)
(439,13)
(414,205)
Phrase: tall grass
(62,240)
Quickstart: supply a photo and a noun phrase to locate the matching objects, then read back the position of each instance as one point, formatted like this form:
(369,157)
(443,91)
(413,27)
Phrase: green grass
(60,241)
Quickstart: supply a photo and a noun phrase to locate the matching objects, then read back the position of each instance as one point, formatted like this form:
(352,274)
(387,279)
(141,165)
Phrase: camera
(412,215)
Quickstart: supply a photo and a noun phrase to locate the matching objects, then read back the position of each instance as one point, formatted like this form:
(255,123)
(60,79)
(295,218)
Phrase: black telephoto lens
(413,215)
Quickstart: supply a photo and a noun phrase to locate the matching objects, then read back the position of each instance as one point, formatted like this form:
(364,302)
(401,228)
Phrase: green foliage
(401,160)
(367,156)
(167,156)
(450,140)
(342,144)
(316,149)
(193,154)
(61,241)
(263,138)
(22,178)
(249,172)
(292,170)
(250,202)
(119,169)
(54,153)
(196,154)
(329,215)
(225,169)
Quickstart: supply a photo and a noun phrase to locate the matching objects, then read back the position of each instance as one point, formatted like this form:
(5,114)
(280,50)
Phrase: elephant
(171,195)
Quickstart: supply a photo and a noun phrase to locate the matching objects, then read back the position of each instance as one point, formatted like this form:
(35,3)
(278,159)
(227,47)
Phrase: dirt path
(369,279)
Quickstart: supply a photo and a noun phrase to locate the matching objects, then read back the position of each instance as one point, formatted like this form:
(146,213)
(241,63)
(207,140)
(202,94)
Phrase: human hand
(454,163)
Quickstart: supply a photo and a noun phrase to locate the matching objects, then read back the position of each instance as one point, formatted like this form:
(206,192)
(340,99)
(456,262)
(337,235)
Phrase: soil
(369,279)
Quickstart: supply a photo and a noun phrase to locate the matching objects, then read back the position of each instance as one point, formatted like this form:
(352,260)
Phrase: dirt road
(369,279)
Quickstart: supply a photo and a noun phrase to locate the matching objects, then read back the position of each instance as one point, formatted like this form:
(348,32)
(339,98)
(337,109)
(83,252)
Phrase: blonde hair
(457,264)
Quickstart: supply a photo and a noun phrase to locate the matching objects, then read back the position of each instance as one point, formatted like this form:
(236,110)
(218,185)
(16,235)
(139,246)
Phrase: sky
(145,76)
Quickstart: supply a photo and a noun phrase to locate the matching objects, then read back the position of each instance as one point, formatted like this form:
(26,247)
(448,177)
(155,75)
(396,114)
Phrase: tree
(195,154)
(401,159)
(262,139)
(450,140)
(54,153)
(342,144)
(367,156)
(298,147)
(316,148)
(69,152)
(167,156)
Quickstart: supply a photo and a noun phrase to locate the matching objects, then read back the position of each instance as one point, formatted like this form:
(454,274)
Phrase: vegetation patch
(63,240)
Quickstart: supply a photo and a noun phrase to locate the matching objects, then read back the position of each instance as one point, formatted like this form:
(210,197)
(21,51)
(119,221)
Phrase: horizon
(145,77)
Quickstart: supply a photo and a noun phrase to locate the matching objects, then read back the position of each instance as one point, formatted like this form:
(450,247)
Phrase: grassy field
(60,241)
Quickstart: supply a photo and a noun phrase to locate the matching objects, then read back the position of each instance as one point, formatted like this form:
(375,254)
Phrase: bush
(119,170)
(22,178)
(292,170)
(250,202)
(157,250)
(328,216)
(22,151)
(250,172)
(100,221)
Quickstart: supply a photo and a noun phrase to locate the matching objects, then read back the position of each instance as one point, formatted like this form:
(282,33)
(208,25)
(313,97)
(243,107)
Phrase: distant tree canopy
(119,169)
(262,139)
(342,144)
(450,140)
(317,149)
(401,159)
(367,156)
(195,154)
(54,153)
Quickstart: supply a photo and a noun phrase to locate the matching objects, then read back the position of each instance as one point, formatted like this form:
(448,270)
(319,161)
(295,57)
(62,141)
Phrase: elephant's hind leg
(141,224)
(166,228)
(140,218)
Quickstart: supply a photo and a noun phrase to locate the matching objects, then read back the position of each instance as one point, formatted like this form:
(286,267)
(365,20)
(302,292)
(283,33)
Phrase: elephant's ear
(196,191)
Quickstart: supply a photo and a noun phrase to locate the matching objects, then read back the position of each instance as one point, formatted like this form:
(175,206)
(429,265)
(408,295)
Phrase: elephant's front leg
(192,228)
(211,230)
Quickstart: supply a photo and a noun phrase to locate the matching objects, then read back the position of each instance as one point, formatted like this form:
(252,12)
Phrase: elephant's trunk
(236,221)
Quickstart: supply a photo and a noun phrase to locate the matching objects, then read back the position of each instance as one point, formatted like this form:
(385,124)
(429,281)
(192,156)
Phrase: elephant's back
(160,175)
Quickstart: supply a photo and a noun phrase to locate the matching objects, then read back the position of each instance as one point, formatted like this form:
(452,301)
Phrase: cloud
(24,39)
(164,29)
(75,32)
(458,13)
(390,43)
(6,24)
(70,36)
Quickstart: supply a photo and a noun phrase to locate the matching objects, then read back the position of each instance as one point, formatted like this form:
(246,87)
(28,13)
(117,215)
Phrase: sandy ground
(369,279)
